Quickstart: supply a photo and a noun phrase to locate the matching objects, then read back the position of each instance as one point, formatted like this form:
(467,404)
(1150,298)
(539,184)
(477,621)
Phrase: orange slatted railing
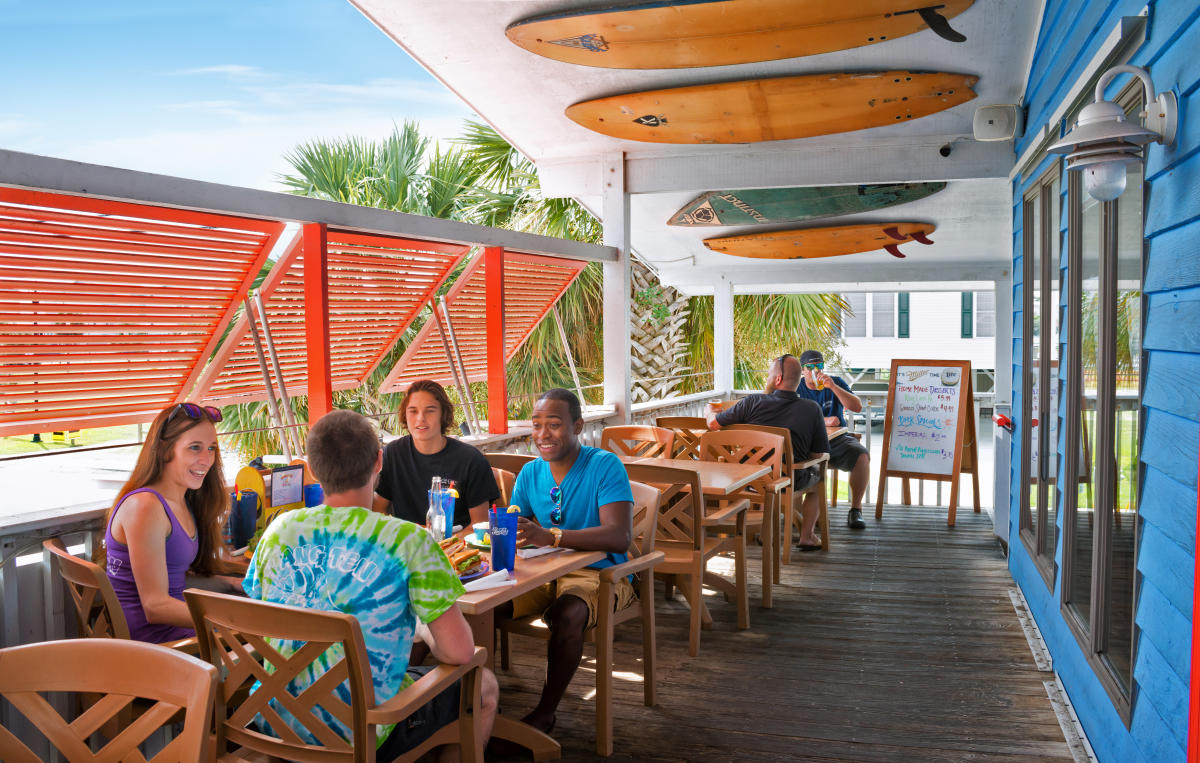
(109,310)
(532,284)
(377,286)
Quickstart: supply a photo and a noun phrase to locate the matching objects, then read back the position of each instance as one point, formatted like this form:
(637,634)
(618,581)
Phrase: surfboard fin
(939,24)
(921,238)
(894,232)
(894,250)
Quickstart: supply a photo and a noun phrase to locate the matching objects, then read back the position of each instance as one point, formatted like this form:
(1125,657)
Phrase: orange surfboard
(685,33)
(822,242)
(777,108)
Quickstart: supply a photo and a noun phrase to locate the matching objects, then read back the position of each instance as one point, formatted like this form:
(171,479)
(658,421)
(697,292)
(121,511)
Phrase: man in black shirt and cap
(782,407)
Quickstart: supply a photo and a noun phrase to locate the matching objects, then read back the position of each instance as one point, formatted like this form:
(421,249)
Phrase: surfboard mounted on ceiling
(762,206)
(823,242)
(685,33)
(777,108)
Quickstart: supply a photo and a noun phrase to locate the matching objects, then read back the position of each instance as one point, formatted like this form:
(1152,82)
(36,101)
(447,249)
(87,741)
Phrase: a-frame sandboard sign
(929,429)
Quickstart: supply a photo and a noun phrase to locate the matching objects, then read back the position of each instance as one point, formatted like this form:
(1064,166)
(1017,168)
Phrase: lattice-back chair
(233,633)
(687,431)
(509,462)
(686,539)
(792,499)
(642,561)
(755,448)
(833,477)
(638,441)
(119,671)
(505,481)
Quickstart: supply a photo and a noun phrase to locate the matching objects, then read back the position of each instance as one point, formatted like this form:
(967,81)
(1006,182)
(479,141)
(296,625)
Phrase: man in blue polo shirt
(575,497)
(846,453)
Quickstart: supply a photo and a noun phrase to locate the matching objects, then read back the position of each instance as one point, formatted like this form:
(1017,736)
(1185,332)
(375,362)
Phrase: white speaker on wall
(1001,121)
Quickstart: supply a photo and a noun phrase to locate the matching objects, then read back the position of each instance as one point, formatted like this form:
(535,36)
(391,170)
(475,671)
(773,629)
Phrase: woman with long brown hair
(165,525)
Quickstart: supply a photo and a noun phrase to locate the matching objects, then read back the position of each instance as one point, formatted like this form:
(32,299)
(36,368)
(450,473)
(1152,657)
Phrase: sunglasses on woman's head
(556,514)
(194,412)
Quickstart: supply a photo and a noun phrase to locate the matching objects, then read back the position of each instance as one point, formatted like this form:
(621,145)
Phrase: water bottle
(435,520)
(227,525)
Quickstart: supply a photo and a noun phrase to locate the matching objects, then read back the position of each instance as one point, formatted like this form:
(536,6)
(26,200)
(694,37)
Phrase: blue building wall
(1072,32)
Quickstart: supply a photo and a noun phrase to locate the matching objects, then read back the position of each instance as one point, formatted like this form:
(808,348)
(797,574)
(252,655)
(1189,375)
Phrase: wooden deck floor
(899,644)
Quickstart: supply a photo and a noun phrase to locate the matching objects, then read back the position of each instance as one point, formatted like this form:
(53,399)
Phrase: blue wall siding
(1071,34)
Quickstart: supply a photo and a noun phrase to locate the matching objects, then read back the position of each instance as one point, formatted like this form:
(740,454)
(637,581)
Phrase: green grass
(11,446)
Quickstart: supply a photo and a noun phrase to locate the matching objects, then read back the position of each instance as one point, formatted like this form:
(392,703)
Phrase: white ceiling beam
(822,163)
(806,276)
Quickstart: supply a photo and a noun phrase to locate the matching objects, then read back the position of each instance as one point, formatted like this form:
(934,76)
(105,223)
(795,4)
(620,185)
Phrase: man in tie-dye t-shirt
(385,571)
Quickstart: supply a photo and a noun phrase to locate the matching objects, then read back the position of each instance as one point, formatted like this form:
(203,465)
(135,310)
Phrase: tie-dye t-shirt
(385,571)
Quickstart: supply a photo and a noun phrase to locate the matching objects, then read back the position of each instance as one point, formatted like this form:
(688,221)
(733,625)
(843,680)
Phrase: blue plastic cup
(502,525)
(245,517)
(313,495)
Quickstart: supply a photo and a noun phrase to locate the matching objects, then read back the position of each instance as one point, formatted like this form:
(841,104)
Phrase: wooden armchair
(509,462)
(687,431)
(505,481)
(638,441)
(686,538)
(233,633)
(118,671)
(833,476)
(764,494)
(642,561)
(96,608)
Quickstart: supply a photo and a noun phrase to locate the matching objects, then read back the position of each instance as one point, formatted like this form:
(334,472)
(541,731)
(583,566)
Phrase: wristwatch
(557,533)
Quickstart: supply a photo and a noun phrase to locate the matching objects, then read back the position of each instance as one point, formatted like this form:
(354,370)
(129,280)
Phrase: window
(1039,364)
(902,315)
(883,315)
(854,320)
(985,313)
(1104,425)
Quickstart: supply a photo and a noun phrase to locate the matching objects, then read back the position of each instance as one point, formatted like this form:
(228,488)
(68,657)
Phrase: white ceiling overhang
(522,95)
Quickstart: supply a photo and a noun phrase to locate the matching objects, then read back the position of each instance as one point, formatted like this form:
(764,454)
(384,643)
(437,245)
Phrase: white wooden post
(1001,441)
(618,352)
(723,336)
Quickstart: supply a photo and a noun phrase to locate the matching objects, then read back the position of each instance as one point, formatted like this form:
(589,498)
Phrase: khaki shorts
(584,584)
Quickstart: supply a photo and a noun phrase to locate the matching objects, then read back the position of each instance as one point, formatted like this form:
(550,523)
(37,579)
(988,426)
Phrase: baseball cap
(811,356)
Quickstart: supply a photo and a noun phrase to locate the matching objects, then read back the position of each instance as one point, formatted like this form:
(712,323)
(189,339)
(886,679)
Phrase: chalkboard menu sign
(929,431)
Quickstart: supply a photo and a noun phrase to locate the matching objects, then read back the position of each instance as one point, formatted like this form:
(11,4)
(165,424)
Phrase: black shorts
(844,451)
(422,724)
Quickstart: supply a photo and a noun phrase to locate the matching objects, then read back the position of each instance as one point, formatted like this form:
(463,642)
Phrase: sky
(216,90)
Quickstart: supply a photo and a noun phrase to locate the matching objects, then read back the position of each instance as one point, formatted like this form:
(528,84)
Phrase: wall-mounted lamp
(1103,142)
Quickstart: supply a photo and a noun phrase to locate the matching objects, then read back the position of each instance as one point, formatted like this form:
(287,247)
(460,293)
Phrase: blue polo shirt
(597,478)
(829,402)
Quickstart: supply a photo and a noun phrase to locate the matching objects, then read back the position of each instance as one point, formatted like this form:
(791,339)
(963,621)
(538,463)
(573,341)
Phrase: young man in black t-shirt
(410,463)
(784,408)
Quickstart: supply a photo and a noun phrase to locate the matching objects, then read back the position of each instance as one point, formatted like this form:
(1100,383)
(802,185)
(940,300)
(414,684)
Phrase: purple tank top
(181,552)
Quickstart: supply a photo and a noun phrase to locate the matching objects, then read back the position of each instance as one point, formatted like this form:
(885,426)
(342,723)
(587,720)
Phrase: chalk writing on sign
(924,423)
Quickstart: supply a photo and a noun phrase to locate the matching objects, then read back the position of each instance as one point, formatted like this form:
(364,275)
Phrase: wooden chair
(687,431)
(642,561)
(96,608)
(233,633)
(686,539)
(833,475)
(756,448)
(638,441)
(509,462)
(505,481)
(791,499)
(119,671)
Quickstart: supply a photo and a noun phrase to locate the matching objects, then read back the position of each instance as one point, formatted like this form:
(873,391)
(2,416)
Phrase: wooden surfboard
(761,206)
(684,33)
(822,242)
(778,108)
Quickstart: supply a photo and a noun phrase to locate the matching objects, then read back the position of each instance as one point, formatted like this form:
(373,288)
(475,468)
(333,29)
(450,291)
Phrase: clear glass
(1033,373)
(1080,584)
(1050,319)
(1127,426)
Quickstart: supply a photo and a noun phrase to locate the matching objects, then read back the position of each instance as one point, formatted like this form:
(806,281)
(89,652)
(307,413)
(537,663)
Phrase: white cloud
(235,71)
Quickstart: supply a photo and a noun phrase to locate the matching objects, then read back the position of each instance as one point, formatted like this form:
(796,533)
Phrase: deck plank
(899,644)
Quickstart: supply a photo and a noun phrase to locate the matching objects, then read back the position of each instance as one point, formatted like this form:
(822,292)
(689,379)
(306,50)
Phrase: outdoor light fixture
(1103,142)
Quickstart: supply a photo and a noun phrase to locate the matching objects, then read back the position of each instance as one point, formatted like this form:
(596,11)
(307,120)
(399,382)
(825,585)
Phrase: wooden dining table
(479,608)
